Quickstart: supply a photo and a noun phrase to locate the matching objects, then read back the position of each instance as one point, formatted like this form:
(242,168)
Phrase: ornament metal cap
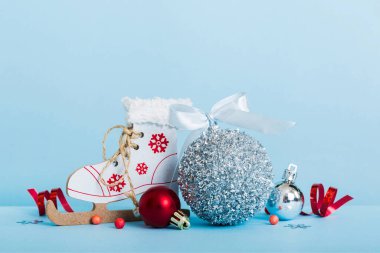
(290,174)
(136,212)
(180,220)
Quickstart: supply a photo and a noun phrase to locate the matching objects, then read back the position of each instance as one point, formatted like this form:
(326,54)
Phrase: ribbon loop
(232,110)
(186,117)
(40,197)
(325,204)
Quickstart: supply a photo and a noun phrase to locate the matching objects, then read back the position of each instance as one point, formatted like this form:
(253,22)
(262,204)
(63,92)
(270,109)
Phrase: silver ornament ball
(286,200)
(225,176)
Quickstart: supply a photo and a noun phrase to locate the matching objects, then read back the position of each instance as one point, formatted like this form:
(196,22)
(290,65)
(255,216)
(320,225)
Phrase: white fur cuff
(154,110)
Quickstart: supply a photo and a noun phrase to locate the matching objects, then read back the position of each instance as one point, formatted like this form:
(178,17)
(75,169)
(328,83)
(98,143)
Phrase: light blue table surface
(65,65)
(350,229)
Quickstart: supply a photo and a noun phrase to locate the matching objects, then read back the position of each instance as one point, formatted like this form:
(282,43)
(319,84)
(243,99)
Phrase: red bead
(157,205)
(96,220)
(273,219)
(119,223)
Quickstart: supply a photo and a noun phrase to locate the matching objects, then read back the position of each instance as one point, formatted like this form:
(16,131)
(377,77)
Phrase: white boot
(153,163)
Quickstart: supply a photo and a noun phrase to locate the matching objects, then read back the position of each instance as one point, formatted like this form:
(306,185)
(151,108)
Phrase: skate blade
(83,218)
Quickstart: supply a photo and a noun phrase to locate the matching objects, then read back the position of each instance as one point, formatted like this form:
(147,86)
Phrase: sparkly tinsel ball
(225,176)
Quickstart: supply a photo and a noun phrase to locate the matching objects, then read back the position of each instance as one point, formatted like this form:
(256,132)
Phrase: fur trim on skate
(154,110)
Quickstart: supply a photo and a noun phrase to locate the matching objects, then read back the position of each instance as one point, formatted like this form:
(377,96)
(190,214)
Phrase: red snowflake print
(113,179)
(141,168)
(158,143)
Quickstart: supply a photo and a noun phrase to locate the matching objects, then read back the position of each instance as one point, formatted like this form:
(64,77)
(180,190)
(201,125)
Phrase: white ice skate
(153,158)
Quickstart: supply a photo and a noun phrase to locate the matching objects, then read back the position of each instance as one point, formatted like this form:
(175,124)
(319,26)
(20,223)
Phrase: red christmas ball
(157,205)
(119,223)
(273,219)
(96,220)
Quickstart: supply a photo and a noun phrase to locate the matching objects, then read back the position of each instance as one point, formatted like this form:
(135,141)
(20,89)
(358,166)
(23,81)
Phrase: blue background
(65,65)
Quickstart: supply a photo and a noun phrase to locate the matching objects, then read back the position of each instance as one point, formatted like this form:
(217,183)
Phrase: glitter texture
(225,176)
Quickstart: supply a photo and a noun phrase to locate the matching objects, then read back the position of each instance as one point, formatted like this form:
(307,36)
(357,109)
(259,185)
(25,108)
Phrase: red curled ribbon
(323,205)
(40,197)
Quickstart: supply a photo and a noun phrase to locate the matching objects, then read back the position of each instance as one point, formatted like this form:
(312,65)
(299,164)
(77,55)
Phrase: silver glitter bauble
(286,200)
(225,176)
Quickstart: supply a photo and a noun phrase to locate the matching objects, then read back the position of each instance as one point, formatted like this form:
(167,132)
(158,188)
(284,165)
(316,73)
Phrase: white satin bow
(232,110)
